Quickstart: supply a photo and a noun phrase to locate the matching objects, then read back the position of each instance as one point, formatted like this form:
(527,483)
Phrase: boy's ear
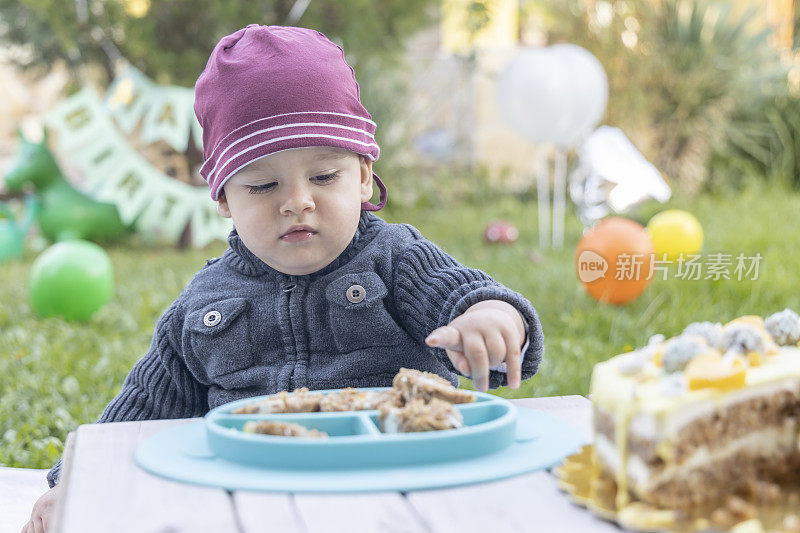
(366,179)
(222,206)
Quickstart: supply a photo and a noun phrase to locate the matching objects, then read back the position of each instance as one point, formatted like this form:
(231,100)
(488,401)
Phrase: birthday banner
(165,111)
(156,205)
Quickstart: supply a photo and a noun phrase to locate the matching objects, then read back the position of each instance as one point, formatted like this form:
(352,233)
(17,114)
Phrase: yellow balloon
(674,232)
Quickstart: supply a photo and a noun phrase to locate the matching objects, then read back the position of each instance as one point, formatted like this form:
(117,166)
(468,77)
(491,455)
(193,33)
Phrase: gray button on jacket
(241,328)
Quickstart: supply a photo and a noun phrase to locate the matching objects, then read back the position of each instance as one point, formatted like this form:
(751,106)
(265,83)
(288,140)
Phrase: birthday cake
(702,417)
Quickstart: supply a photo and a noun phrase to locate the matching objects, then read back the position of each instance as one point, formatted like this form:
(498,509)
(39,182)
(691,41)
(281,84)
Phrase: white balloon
(587,92)
(527,94)
(556,94)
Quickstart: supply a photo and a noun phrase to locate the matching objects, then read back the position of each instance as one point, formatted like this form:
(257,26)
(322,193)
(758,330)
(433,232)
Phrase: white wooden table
(105,491)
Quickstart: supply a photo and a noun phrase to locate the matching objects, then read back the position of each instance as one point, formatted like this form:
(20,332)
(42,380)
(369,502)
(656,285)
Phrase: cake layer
(737,414)
(712,480)
(771,454)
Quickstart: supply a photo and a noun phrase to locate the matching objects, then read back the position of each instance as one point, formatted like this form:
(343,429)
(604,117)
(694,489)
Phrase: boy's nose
(298,200)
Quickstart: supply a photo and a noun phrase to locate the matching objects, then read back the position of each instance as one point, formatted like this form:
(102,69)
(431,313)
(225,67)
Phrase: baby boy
(315,290)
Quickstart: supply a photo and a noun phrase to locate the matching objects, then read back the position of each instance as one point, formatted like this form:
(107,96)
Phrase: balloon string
(543,195)
(559,196)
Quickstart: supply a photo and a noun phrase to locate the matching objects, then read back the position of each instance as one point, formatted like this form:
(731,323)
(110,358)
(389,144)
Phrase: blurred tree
(170,41)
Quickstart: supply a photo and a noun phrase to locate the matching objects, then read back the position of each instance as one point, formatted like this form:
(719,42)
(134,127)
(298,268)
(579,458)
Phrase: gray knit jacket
(241,328)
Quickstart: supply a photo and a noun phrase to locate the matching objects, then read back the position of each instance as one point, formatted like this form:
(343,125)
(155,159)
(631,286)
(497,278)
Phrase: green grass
(56,375)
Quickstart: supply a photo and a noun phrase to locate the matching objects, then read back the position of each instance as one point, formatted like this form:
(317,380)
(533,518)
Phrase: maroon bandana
(272,88)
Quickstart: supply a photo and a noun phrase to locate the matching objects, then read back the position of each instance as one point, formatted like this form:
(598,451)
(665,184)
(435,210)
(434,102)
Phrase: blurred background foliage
(170,41)
(696,84)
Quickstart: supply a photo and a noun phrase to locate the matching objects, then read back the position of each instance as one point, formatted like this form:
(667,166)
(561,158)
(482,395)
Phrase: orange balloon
(614,261)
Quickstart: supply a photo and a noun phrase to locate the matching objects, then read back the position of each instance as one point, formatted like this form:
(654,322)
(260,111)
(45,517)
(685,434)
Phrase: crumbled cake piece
(351,399)
(275,403)
(414,384)
(283,429)
(302,401)
(760,491)
(784,327)
(419,415)
(734,511)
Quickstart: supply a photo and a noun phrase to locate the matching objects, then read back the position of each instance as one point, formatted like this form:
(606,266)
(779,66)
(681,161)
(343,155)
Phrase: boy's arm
(431,289)
(158,386)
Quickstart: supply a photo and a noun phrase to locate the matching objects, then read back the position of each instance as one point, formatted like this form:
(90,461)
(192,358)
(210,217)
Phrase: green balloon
(71,279)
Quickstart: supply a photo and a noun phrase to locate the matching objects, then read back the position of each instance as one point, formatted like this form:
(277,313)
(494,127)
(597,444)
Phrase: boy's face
(319,187)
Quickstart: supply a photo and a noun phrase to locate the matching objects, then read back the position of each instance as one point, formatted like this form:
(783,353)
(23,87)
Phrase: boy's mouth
(298,233)
(299,227)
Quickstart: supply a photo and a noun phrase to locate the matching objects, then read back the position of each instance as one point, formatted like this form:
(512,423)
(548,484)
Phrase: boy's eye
(266,187)
(327,177)
(258,189)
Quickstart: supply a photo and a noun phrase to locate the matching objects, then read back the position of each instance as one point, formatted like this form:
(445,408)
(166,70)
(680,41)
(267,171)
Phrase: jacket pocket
(219,337)
(358,317)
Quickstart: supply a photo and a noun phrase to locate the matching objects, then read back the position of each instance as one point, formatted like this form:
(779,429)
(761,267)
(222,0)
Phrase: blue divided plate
(355,439)
(496,441)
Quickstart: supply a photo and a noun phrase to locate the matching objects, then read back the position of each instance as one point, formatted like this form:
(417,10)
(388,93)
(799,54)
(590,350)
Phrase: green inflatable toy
(71,279)
(64,213)
(12,232)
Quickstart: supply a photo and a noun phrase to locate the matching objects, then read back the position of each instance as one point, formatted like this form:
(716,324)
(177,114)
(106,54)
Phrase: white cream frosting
(620,393)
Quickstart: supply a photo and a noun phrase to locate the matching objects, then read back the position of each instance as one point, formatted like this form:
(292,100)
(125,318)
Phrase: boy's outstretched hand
(42,513)
(487,334)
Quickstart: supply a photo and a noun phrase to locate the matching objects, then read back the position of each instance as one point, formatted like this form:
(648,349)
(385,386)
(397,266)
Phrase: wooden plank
(263,511)
(574,410)
(345,513)
(523,503)
(106,491)
(19,490)
(555,511)
(495,506)
(529,502)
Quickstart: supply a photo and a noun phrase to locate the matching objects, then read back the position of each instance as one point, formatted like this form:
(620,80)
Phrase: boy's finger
(38,527)
(475,350)
(445,337)
(513,359)
(514,369)
(459,361)
(495,347)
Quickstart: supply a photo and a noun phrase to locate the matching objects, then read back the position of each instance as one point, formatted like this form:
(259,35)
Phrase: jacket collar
(239,258)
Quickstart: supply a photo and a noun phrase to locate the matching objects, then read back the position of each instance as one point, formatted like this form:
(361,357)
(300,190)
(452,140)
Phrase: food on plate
(351,399)
(300,401)
(426,385)
(419,415)
(407,385)
(283,429)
